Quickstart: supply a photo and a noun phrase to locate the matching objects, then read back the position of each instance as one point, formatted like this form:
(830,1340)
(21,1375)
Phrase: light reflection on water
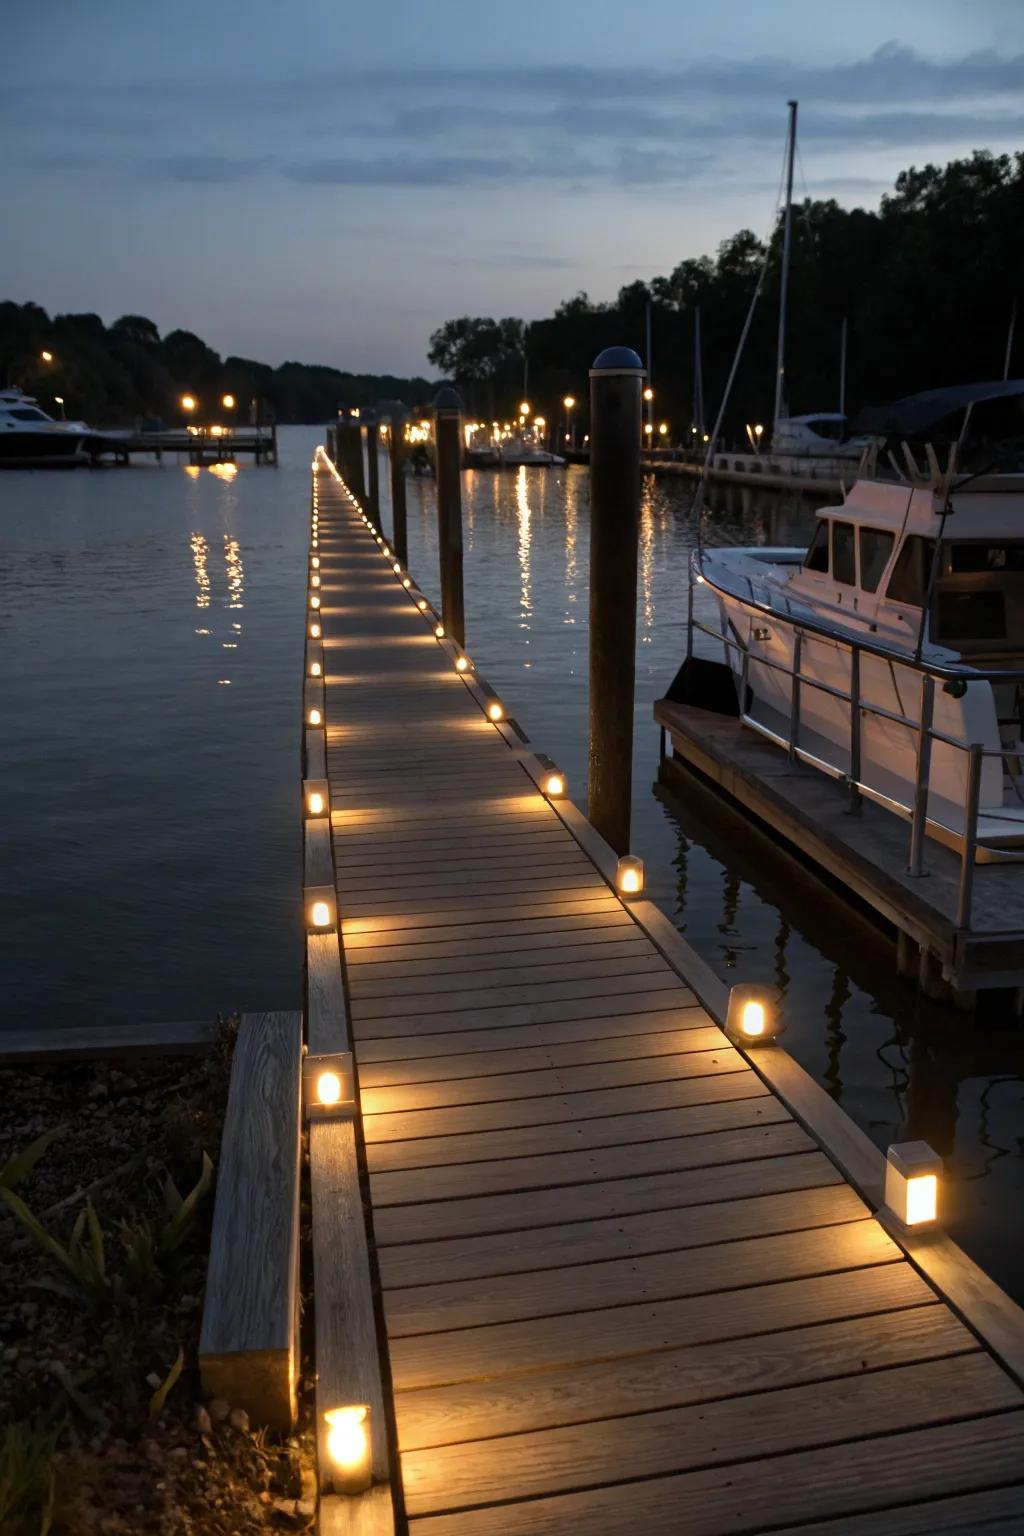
(902,1067)
(149,846)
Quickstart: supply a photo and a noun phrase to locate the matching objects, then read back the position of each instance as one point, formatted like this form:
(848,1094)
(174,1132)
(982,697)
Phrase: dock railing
(952,678)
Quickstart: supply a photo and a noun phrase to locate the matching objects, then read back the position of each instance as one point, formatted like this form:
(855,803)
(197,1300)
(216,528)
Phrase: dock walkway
(622,1287)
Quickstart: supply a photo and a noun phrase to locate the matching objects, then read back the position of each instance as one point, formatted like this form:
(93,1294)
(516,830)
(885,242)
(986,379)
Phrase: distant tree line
(926,285)
(114,375)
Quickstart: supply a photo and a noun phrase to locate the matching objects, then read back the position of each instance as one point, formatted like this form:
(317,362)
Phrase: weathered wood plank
(546,928)
(653,1276)
(327,1012)
(588,1242)
(995,1512)
(673,1440)
(866,1475)
(672,1006)
(522,1211)
(519,1115)
(348,1369)
(511,1085)
(605,949)
(630,989)
(676,1375)
(747,1098)
(247,1347)
(520,1348)
(395,1048)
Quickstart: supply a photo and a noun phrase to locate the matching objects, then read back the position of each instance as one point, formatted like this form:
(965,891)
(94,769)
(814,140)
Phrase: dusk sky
(329,182)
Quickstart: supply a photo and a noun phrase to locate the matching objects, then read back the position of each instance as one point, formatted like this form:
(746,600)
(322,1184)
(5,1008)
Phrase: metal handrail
(944,671)
(926,731)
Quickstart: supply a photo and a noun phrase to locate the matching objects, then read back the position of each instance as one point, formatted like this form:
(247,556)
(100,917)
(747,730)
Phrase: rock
(239,1419)
(219,1409)
(153,1380)
(306,1508)
(308,1482)
(285,1508)
(178,1453)
(204,1423)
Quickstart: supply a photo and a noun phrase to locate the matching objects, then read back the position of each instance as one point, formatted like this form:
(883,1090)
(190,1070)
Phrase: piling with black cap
(399,538)
(373,464)
(615,409)
(448,447)
(350,456)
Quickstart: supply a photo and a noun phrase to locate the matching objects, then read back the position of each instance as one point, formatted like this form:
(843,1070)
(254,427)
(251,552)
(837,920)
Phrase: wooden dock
(866,853)
(628,1278)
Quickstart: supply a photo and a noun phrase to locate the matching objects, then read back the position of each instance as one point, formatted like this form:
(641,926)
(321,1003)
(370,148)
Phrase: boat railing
(950,676)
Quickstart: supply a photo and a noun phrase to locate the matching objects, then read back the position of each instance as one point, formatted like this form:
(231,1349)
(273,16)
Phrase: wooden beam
(72,1042)
(248,1345)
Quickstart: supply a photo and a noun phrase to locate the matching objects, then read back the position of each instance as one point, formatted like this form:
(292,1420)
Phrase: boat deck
(621,1285)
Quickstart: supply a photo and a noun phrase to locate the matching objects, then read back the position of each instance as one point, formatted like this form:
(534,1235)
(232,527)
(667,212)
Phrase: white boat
(29,438)
(822,435)
(919,584)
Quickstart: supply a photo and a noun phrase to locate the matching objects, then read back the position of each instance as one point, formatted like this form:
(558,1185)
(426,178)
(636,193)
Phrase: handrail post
(854,807)
(794,700)
(919,815)
(964,898)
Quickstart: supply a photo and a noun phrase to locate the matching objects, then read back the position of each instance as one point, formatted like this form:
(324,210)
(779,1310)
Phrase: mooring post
(373,463)
(615,385)
(399,538)
(350,455)
(448,446)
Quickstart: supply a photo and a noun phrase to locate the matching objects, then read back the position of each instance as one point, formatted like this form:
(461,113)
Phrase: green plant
(159,1398)
(29,1481)
(148,1251)
(20,1164)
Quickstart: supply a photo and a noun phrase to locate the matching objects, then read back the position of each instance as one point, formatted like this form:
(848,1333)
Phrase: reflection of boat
(29,438)
(516,451)
(919,586)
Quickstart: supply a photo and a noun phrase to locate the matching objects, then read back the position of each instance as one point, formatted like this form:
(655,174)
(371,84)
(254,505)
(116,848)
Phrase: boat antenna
(787,234)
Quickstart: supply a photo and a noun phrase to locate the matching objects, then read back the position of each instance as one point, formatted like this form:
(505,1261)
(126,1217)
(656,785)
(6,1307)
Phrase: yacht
(30,438)
(823,435)
(912,578)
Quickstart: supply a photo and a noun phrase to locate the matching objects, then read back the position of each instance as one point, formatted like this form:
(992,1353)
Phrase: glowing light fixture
(629,875)
(315,562)
(912,1173)
(228,402)
(314,631)
(397,568)
(321,905)
(314,580)
(462,663)
(316,797)
(421,603)
(406,582)
(47,357)
(751,1018)
(648,393)
(495,711)
(328,1086)
(349,1465)
(439,631)
(316,669)
(314,601)
(314,716)
(524,409)
(188,402)
(553,784)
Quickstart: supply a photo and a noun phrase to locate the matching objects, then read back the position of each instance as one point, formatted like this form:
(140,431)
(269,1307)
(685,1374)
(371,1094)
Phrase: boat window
(970,615)
(23,413)
(983,556)
(909,580)
(816,558)
(843,557)
(875,549)
(829,429)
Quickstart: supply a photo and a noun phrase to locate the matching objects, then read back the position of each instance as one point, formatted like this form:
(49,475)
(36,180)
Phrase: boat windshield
(979,597)
(26,413)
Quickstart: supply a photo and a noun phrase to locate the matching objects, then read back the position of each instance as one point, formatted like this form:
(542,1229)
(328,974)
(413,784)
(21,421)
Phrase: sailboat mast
(1009,340)
(787,230)
(842,368)
(698,377)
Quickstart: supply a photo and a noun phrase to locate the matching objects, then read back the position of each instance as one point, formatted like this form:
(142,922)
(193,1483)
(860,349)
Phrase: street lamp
(649,401)
(524,409)
(47,357)
(569,402)
(188,403)
(228,402)
(60,401)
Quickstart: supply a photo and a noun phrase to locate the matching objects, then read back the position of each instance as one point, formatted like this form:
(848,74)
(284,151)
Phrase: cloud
(209,168)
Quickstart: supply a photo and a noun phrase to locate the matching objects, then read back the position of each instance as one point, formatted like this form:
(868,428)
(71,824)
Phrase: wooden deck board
(621,1284)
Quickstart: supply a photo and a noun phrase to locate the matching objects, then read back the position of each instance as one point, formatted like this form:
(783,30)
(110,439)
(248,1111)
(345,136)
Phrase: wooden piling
(373,463)
(448,440)
(350,456)
(615,385)
(399,536)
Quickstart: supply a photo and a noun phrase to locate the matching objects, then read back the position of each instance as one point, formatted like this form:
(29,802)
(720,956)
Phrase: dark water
(149,847)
